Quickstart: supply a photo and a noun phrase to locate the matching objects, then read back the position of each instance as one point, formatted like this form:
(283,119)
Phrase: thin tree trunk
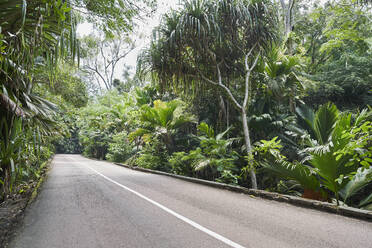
(248,147)
(287,15)
(169,142)
(227,118)
(288,21)
(241,107)
(222,113)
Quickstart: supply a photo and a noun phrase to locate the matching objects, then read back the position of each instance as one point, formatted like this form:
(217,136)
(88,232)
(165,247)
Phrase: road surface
(88,204)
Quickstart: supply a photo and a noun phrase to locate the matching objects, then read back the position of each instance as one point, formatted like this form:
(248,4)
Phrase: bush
(181,164)
(154,156)
(120,149)
(228,177)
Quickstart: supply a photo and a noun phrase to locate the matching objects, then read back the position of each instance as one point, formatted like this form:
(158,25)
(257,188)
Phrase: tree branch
(98,73)
(248,74)
(220,84)
(283,4)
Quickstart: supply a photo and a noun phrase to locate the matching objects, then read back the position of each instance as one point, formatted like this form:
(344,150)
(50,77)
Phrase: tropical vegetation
(232,91)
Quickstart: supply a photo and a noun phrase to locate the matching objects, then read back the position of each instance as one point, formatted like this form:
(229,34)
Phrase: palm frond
(138,133)
(306,119)
(202,164)
(361,179)
(296,171)
(366,203)
(324,122)
(204,128)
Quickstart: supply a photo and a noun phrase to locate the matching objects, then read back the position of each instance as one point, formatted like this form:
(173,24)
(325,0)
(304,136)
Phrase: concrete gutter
(294,200)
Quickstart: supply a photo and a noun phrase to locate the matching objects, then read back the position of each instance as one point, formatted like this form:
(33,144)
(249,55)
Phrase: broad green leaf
(360,180)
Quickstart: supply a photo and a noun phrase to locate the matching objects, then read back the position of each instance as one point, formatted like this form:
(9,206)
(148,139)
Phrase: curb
(294,200)
(43,177)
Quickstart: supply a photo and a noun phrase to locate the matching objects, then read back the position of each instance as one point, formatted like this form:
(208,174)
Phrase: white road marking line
(177,215)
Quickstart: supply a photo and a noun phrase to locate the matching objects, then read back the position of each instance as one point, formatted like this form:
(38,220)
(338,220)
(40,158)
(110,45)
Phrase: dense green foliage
(40,84)
(222,93)
(31,41)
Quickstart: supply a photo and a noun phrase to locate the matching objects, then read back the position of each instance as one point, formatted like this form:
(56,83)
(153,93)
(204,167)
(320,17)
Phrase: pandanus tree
(32,35)
(213,44)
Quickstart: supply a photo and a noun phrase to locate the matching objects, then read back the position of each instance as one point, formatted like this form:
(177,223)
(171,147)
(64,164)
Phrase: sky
(145,28)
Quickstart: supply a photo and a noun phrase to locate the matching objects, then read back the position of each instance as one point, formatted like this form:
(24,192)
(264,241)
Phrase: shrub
(181,164)
(154,156)
(120,149)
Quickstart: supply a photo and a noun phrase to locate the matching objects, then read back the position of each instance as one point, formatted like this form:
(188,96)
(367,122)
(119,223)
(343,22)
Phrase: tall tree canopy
(34,37)
(214,43)
(112,15)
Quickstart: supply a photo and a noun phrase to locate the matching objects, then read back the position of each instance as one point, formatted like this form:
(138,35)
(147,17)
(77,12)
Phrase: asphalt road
(88,204)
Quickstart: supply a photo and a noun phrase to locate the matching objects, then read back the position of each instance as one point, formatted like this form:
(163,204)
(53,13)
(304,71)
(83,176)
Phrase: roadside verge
(12,210)
(298,201)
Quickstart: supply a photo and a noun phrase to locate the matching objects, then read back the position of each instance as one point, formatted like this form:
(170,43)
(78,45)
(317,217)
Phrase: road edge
(17,219)
(293,200)
(45,168)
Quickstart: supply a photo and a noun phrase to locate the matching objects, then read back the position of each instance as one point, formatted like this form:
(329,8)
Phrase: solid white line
(183,218)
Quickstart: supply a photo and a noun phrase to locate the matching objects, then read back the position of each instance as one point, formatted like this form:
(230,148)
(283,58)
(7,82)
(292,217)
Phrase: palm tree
(213,44)
(330,128)
(215,156)
(280,72)
(35,35)
(331,142)
(163,120)
(32,34)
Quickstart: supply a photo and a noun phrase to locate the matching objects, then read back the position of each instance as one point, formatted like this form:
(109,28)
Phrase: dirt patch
(12,209)
(11,213)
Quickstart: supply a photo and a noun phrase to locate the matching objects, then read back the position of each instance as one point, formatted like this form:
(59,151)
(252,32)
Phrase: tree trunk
(248,146)
(222,113)
(169,143)
(288,21)
(287,15)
